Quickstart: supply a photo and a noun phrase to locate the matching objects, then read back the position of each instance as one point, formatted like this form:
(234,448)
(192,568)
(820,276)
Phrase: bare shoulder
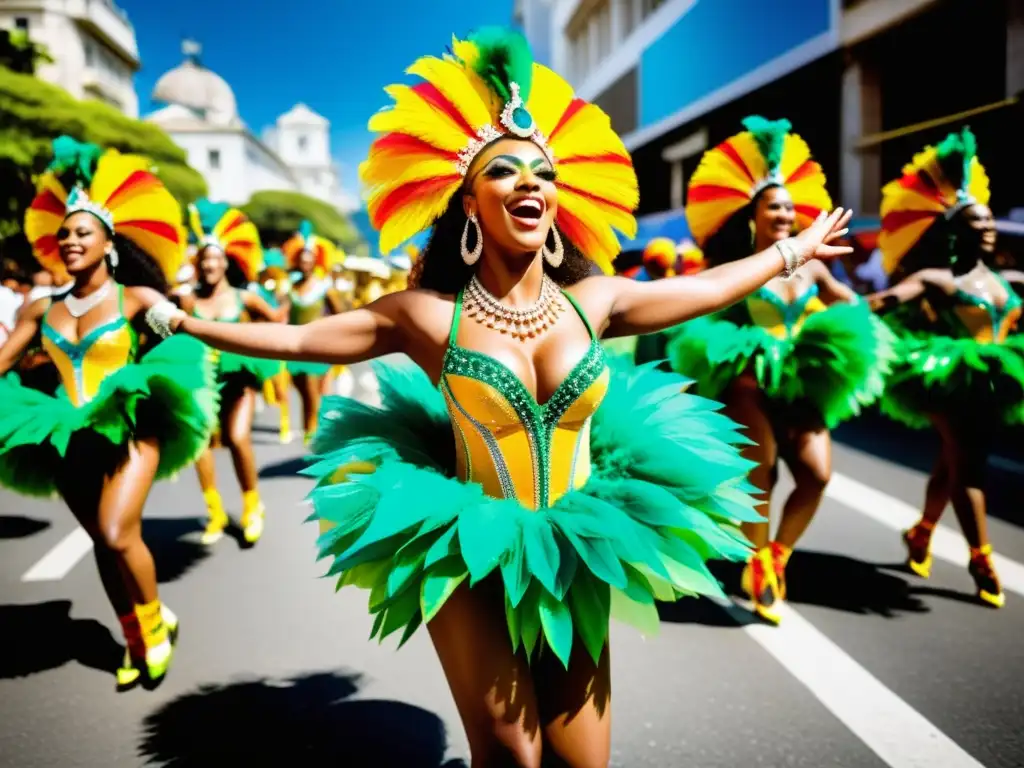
(596,296)
(940,278)
(140,298)
(34,311)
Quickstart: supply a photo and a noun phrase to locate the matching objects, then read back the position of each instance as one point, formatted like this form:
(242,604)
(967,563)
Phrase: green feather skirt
(942,374)
(667,492)
(837,363)
(167,395)
(248,371)
(299,368)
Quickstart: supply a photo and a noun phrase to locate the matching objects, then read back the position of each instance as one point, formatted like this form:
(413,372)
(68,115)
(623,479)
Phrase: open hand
(816,242)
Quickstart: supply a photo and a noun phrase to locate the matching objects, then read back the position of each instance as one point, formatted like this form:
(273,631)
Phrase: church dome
(192,85)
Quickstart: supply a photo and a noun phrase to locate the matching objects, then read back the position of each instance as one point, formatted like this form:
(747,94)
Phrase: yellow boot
(253,514)
(761,585)
(159,628)
(217,518)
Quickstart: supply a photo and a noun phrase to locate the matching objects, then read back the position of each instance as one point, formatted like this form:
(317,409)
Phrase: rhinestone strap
(519,322)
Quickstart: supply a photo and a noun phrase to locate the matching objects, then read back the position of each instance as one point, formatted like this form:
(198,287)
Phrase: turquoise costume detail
(306,309)
(108,399)
(609,495)
(236,370)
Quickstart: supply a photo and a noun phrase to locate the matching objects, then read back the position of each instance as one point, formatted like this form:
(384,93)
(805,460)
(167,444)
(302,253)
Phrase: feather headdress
(939,181)
(733,173)
(119,190)
(488,88)
(230,230)
(325,253)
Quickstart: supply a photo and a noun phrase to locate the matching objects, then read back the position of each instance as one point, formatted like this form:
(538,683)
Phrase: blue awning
(671,224)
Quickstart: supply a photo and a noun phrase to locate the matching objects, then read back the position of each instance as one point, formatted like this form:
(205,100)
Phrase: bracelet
(159,317)
(790,258)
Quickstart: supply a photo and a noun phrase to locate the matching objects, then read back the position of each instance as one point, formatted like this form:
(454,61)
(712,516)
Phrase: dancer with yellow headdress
(228,257)
(122,419)
(798,356)
(961,362)
(311,296)
(489,496)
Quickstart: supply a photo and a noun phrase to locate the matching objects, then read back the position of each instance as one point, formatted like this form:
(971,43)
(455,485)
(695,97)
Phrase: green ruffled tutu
(167,395)
(248,371)
(942,374)
(667,491)
(837,363)
(298,368)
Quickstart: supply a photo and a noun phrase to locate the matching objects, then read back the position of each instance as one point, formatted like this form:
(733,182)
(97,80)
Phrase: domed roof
(192,85)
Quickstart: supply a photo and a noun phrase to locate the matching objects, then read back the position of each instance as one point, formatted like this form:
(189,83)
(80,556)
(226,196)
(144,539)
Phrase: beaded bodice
(307,307)
(506,441)
(978,318)
(778,317)
(84,364)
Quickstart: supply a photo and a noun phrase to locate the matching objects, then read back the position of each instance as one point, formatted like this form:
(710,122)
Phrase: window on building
(213,157)
(602,21)
(90,54)
(303,142)
(21,22)
(650,6)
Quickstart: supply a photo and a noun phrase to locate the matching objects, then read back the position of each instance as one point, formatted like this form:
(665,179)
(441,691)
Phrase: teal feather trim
(838,361)
(770,137)
(504,58)
(210,213)
(941,374)
(955,154)
(300,368)
(167,395)
(667,493)
(74,161)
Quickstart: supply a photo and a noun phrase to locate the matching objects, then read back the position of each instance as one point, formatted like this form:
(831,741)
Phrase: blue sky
(334,55)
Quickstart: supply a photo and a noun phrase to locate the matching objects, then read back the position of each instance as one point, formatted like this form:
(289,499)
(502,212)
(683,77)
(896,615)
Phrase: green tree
(34,112)
(278,214)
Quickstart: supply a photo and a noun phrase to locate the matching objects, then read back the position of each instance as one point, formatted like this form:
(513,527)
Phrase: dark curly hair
(733,240)
(135,267)
(440,267)
(234,274)
(947,243)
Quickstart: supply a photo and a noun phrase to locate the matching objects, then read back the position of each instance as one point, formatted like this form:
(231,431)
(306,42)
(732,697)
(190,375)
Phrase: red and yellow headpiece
(732,174)
(119,190)
(939,181)
(230,230)
(325,253)
(488,88)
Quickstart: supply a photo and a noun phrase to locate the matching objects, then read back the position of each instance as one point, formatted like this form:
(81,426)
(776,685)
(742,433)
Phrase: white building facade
(200,114)
(93,44)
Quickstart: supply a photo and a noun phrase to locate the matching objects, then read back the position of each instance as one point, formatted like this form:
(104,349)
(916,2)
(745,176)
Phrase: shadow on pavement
(175,555)
(305,720)
(19,527)
(43,636)
(286,468)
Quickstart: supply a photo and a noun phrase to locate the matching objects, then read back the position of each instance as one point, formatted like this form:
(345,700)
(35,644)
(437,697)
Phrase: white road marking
(888,726)
(947,544)
(58,562)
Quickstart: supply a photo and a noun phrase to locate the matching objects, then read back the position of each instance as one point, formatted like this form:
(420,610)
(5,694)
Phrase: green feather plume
(505,58)
(770,136)
(75,159)
(955,154)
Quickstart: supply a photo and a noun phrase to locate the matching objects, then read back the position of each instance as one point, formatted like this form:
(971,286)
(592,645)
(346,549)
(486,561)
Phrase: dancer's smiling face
(980,228)
(213,264)
(511,189)
(307,263)
(774,217)
(83,241)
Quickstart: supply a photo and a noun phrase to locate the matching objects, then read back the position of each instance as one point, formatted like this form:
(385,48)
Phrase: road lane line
(58,562)
(947,544)
(892,729)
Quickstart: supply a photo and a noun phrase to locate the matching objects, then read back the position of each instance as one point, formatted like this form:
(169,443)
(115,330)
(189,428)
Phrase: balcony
(108,22)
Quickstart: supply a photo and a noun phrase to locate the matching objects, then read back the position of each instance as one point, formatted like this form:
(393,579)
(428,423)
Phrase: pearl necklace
(519,322)
(78,307)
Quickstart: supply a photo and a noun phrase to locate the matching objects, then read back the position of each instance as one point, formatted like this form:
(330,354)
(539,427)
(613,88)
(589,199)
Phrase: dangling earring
(753,235)
(112,257)
(952,249)
(554,258)
(468,256)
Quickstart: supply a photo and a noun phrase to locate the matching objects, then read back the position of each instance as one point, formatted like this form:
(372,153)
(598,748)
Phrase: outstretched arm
(906,290)
(350,337)
(639,308)
(24,331)
(258,307)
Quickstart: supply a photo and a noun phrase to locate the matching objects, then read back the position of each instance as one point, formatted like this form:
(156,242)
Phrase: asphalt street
(871,666)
